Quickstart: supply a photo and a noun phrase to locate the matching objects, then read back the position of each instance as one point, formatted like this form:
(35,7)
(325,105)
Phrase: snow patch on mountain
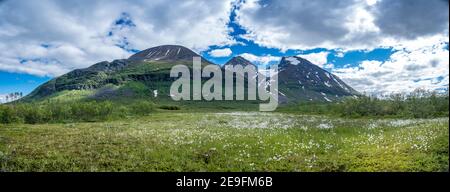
(293,60)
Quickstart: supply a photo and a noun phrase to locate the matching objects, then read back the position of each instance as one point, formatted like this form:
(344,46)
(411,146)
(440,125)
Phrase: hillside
(146,74)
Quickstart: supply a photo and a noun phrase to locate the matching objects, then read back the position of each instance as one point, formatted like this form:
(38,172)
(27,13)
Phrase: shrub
(60,112)
(91,111)
(142,108)
(55,111)
(418,104)
(33,115)
(8,114)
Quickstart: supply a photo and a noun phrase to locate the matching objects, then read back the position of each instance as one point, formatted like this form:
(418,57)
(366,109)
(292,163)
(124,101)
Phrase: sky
(375,46)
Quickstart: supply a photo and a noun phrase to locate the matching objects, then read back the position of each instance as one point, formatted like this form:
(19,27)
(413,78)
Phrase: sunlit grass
(72,95)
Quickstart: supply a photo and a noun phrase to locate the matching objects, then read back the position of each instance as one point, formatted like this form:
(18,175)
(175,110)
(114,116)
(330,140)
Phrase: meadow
(81,131)
(229,141)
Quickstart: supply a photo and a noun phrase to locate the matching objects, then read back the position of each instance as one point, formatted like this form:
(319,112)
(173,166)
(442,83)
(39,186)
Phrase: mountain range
(149,70)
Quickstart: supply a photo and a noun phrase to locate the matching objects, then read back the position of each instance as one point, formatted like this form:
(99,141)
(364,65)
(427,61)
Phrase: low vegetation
(400,133)
(240,141)
(418,104)
(84,111)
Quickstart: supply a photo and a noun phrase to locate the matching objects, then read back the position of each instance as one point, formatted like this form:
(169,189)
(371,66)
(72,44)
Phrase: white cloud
(404,26)
(2,98)
(411,19)
(346,24)
(425,66)
(340,54)
(319,59)
(52,37)
(75,33)
(418,36)
(221,52)
(301,24)
(263,60)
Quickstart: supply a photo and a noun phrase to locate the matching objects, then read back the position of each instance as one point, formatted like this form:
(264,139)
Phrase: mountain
(168,53)
(238,60)
(148,71)
(150,67)
(299,79)
(165,53)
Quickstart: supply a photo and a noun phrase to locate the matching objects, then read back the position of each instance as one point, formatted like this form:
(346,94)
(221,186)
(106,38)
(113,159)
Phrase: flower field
(239,141)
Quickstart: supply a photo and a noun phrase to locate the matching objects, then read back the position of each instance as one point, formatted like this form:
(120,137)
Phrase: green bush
(55,111)
(418,104)
(8,114)
(33,115)
(91,111)
(60,112)
(142,108)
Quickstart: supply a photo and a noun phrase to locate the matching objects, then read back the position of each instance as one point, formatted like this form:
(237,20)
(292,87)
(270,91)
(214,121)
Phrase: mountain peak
(299,79)
(308,81)
(165,53)
(239,60)
(293,60)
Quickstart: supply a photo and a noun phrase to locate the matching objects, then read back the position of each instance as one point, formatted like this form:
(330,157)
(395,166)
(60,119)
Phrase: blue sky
(246,46)
(19,82)
(376,50)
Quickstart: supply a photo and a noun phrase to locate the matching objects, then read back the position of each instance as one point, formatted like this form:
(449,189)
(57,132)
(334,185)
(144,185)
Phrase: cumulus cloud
(417,30)
(425,66)
(347,24)
(52,37)
(319,59)
(221,52)
(411,19)
(263,60)
(298,24)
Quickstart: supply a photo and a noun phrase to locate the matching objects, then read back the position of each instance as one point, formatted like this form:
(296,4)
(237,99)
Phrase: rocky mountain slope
(299,79)
(148,71)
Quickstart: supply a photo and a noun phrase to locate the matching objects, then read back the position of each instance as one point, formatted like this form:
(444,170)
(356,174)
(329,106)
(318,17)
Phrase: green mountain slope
(146,75)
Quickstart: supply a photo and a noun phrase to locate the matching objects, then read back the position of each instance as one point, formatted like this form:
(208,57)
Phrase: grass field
(240,141)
